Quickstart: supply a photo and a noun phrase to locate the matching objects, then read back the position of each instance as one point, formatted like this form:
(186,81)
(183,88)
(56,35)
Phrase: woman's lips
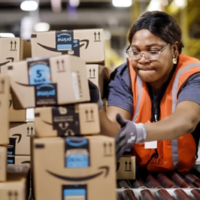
(146,69)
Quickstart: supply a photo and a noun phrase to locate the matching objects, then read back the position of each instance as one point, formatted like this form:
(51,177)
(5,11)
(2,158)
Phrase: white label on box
(150,145)
(75,85)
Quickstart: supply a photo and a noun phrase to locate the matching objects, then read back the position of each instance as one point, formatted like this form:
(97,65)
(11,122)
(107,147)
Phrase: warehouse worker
(155,96)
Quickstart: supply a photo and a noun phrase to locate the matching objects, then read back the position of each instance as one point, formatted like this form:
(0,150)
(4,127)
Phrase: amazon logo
(26,162)
(18,135)
(103,170)
(10,59)
(69,51)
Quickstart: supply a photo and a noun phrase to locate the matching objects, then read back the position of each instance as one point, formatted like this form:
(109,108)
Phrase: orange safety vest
(179,153)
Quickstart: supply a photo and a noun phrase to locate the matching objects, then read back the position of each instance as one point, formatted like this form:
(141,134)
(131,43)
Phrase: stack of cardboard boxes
(4,124)
(86,44)
(12,50)
(13,184)
(69,159)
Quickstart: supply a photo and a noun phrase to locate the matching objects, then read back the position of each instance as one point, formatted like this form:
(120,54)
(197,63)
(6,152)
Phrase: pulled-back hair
(160,24)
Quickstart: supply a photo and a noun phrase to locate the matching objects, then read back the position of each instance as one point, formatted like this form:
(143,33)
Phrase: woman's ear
(175,51)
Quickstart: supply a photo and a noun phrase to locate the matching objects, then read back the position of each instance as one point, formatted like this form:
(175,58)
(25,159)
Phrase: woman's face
(156,71)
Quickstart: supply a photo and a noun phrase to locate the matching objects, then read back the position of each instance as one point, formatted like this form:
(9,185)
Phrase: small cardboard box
(74,168)
(86,44)
(16,186)
(70,120)
(95,74)
(48,81)
(19,138)
(19,160)
(16,115)
(13,49)
(4,109)
(3,163)
(126,168)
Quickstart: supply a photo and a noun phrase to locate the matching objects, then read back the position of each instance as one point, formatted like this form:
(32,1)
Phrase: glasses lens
(149,55)
(134,55)
(152,55)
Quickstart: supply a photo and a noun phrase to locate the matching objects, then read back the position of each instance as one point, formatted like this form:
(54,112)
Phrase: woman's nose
(142,59)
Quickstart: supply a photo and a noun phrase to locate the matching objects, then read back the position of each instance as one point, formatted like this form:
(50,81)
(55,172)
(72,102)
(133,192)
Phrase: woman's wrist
(141,132)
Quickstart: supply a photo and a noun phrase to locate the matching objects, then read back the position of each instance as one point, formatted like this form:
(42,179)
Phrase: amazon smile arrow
(85,178)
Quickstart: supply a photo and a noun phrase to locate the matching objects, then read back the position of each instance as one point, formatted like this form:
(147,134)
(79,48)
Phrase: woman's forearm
(108,127)
(183,121)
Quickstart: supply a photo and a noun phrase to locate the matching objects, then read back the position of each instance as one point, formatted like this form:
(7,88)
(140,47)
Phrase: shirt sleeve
(119,89)
(191,90)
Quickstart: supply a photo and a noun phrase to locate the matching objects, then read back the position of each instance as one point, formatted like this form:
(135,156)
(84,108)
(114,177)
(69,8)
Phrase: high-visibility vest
(179,153)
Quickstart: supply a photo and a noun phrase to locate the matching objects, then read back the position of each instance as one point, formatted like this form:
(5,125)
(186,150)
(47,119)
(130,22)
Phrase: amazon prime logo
(46,94)
(64,40)
(66,44)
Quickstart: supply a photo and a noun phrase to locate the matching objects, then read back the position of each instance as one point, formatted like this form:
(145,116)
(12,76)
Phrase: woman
(155,96)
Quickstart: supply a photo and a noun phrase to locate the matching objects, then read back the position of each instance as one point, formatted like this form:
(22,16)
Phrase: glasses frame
(144,52)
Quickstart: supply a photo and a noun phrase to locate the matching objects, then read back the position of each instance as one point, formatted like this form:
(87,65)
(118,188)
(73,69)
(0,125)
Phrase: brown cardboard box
(16,115)
(126,168)
(13,49)
(48,81)
(77,119)
(19,160)
(19,138)
(95,74)
(82,167)
(3,163)
(86,44)
(15,188)
(4,109)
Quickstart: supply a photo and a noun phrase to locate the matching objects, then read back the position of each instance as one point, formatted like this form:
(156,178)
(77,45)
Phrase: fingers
(120,120)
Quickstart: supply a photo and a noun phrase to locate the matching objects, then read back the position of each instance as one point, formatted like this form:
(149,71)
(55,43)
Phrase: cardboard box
(48,81)
(77,119)
(19,137)
(16,186)
(95,74)
(3,163)
(4,109)
(81,168)
(126,168)
(86,44)
(19,160)
(16,115)
(13,49)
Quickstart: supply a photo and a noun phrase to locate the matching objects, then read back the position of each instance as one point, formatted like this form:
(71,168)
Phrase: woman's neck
(157,85)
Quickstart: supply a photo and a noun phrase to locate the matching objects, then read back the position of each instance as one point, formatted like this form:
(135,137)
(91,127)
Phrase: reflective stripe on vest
(139,83)
(174,143)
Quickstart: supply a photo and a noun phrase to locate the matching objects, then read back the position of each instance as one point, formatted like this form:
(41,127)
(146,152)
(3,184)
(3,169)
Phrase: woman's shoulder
(121,75)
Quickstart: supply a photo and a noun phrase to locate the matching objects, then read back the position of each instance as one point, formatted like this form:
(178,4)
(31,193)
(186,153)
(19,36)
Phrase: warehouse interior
(39,159)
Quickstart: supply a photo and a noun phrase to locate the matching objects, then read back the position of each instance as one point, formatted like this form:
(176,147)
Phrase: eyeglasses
(149,55)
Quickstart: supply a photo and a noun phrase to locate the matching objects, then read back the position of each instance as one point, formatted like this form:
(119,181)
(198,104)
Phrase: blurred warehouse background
(22,17)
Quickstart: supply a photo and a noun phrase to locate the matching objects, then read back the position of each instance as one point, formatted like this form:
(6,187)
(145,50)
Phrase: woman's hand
(129,134)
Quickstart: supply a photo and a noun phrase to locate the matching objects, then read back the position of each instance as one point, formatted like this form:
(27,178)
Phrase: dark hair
(160,24)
